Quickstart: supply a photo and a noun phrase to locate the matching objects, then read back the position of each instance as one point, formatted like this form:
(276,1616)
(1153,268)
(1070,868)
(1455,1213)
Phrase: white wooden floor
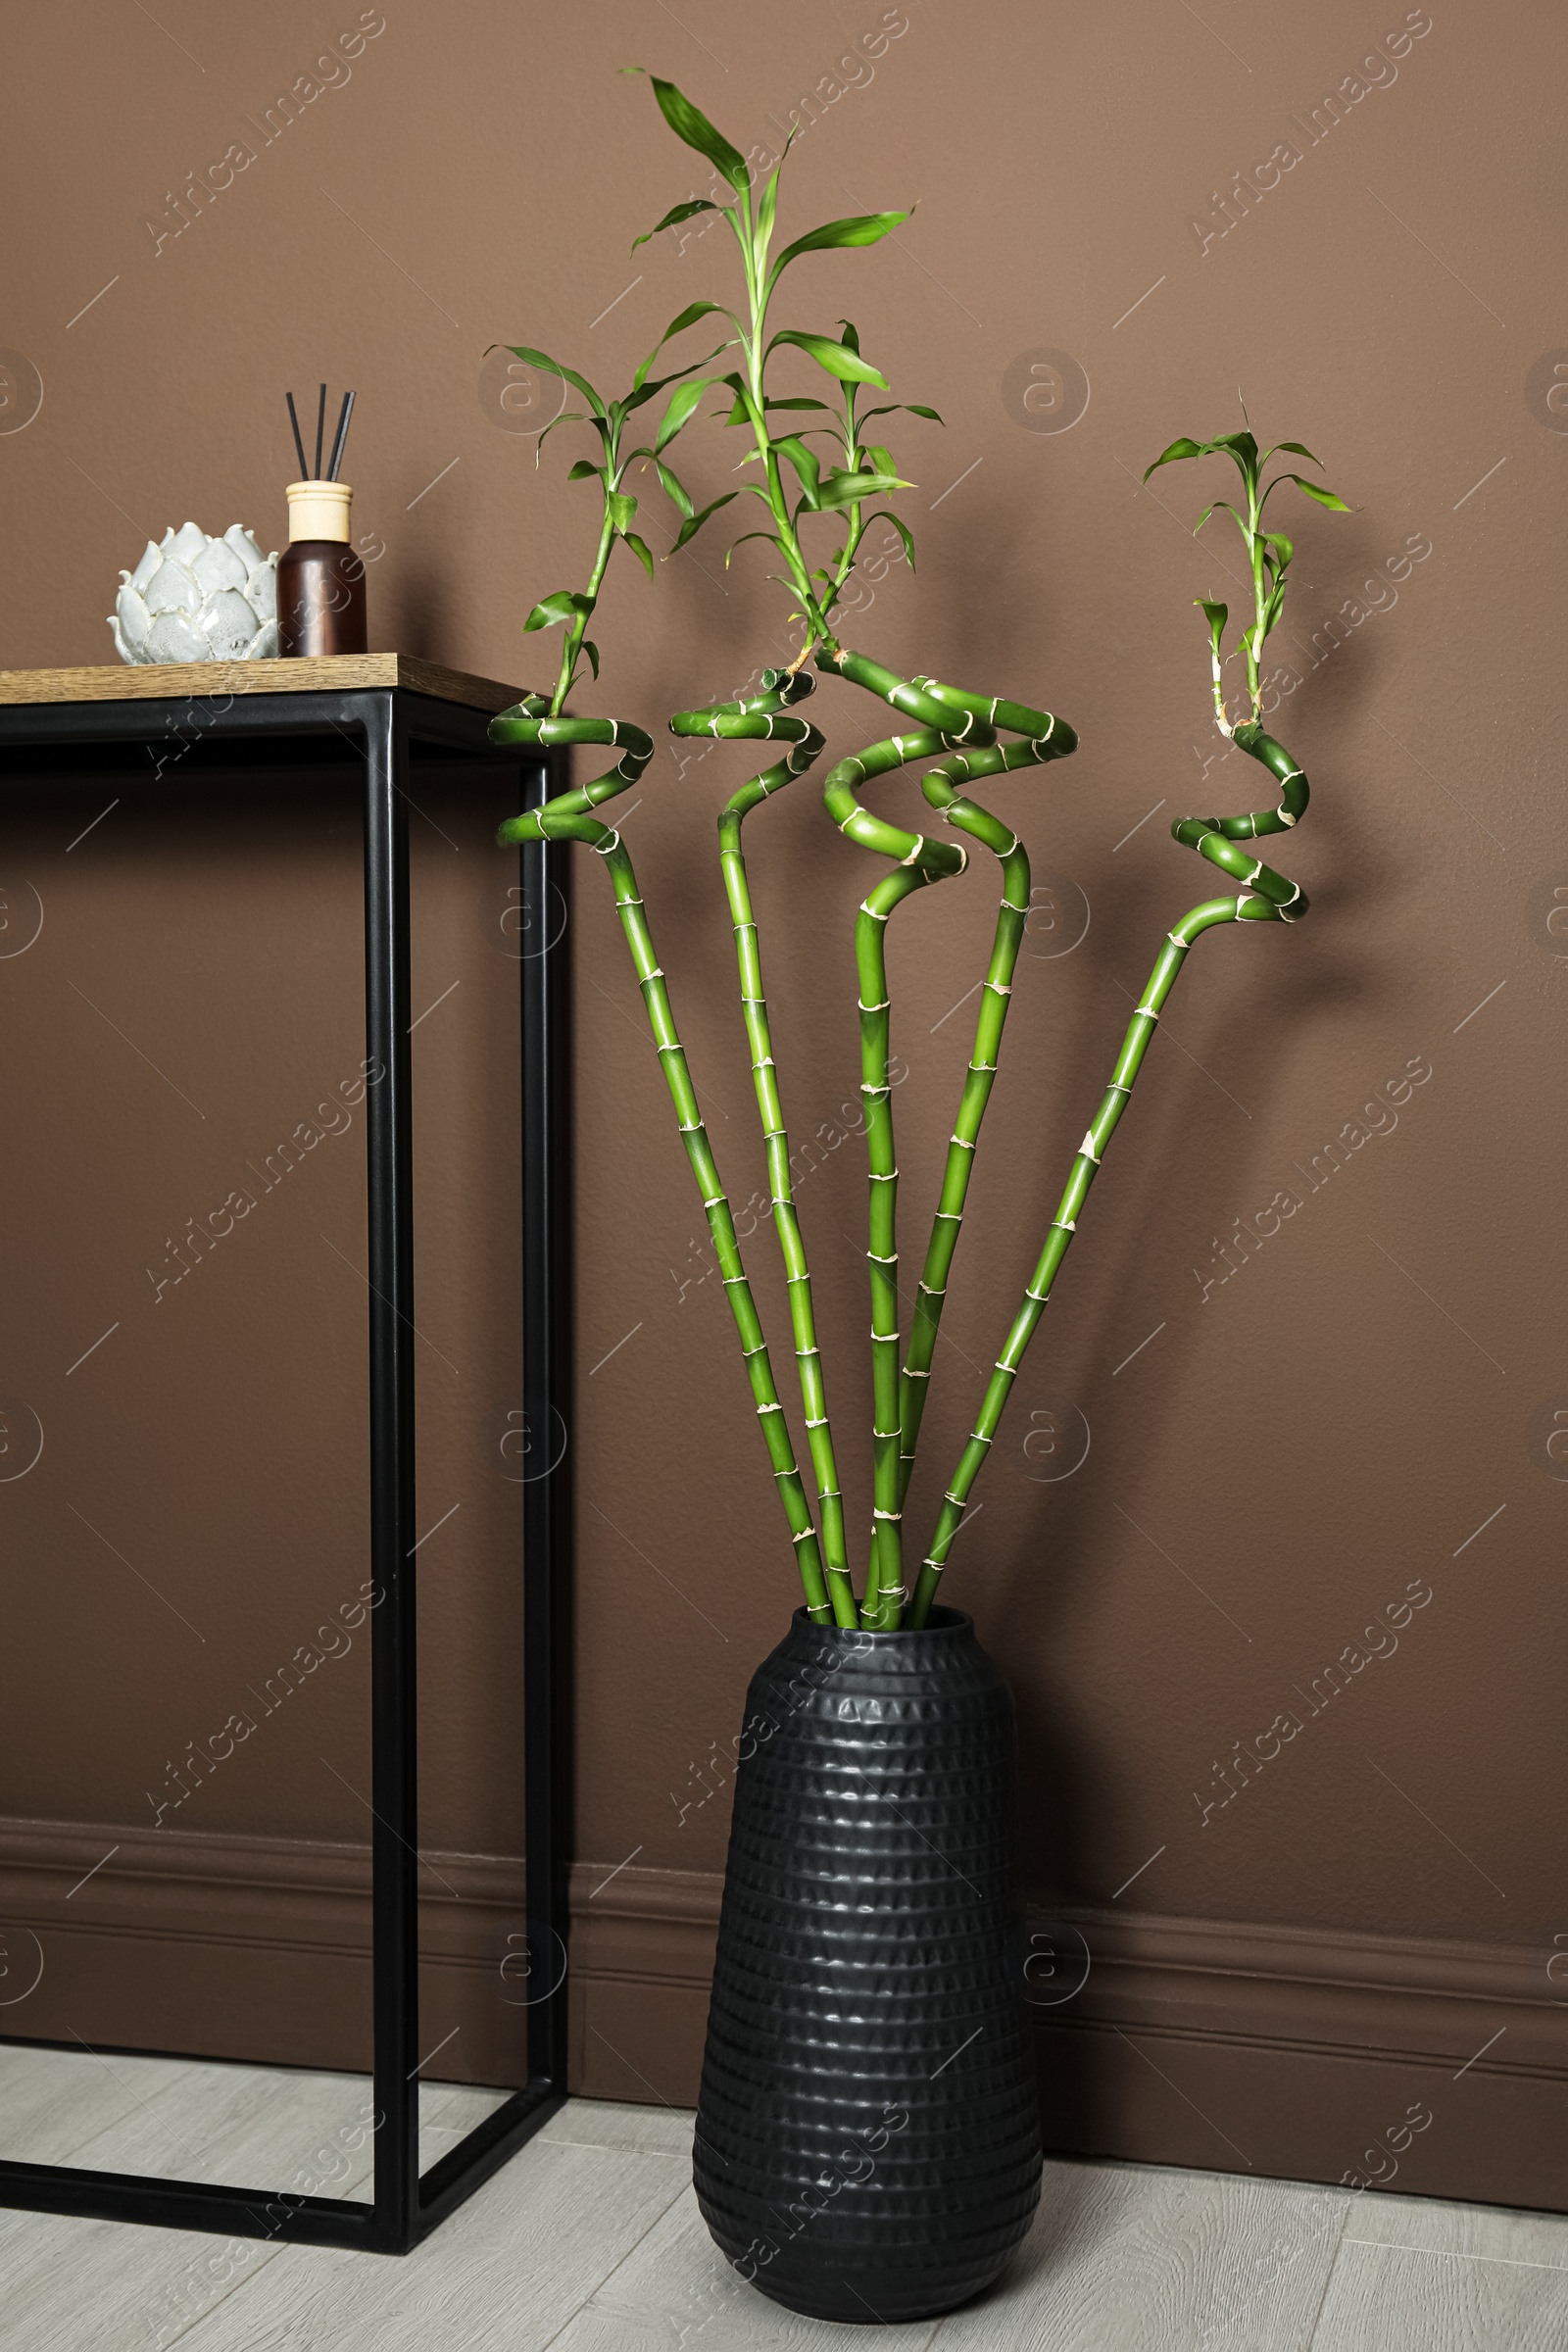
(589,2241)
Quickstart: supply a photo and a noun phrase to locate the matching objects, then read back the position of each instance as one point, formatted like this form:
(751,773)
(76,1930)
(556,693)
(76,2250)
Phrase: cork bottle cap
(319,510)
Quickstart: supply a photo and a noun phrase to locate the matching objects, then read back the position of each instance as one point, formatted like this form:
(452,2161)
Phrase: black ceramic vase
(867,2134)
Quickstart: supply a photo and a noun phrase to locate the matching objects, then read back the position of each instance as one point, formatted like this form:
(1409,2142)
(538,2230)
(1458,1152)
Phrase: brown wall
(1293,1447)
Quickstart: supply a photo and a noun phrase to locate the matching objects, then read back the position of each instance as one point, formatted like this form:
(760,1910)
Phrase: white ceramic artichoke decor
(196,599)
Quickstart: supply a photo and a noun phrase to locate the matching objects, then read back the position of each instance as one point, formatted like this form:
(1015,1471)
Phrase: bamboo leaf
(860,228)
(674,490)
(1280,547)
(1241,446)
(675,216)
(582,472)
(682,404)
(1183,447)
(1217,616)
(542,359)
(567,417)
(690,123)
(771,403)
(621,508)
(845,364)
(1297,449)
(694,523)
(644,392)
(767,208)
(850,489)
(770,536)
(915,407)
(563,606)
(688,318)
(1324,498)
(592,652)
(745,410)
(640,548)
(805,462)
(884,515)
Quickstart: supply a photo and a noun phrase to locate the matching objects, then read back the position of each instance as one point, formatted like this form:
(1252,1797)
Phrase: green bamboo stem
(1268,897)
(918,861)
(886,1574)
(1046,738)
(765,716)
(569,816)
(952,718)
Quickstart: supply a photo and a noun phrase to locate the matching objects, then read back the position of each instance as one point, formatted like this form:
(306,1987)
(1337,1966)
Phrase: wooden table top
(135,682)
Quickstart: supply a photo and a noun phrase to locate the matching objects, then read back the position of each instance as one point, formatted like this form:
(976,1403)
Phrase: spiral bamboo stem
(952,720)
(766,716)
(1267,898)
(1046,738)
(569,816)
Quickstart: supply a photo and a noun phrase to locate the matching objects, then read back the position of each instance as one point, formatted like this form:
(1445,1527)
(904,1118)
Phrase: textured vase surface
(867,2134)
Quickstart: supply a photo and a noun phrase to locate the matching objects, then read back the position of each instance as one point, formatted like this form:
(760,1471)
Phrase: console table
(384,704)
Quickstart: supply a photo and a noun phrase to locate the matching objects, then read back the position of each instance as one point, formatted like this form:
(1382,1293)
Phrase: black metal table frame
(405,2206)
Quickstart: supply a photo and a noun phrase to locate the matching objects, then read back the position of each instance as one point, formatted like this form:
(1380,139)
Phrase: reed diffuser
(321,580)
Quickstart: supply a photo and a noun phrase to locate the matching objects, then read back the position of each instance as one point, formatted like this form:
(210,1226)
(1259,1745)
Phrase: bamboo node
(1064,1224)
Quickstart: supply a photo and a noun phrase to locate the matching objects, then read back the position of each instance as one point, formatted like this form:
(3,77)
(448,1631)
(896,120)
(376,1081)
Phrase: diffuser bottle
(321,580)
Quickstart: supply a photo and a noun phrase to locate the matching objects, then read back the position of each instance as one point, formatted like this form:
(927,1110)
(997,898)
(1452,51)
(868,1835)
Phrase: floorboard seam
(616,2266)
